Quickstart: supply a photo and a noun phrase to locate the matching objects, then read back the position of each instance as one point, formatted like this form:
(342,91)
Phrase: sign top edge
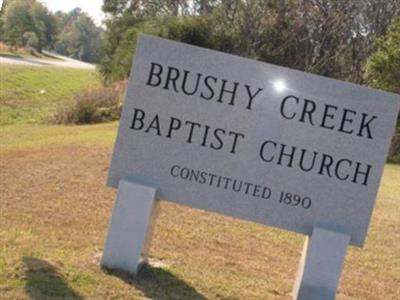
(392,97)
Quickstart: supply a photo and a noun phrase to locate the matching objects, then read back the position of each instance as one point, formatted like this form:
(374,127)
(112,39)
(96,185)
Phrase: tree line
(351,40)
(334,38)
(28,23)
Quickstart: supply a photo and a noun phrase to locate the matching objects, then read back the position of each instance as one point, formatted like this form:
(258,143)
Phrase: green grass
(31,94)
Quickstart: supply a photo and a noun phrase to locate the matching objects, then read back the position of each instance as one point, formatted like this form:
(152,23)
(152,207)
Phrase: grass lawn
(55,209)
(31,94)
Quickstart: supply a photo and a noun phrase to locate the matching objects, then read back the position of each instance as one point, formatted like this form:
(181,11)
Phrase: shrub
(394,153)
(92,105)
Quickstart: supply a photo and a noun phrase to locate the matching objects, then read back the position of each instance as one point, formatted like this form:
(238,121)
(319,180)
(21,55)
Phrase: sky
(91,7)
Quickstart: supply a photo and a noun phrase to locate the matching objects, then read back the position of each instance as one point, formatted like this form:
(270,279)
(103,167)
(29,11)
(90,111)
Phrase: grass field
(55,210)
(31,94)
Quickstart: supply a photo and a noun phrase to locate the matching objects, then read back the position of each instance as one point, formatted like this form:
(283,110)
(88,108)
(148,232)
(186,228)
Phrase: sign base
(321,265)
(131,223)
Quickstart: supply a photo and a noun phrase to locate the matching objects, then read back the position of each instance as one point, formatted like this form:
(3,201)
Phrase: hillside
(30,94)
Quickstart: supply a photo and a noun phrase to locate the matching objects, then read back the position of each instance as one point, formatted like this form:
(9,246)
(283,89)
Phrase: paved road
(62,61)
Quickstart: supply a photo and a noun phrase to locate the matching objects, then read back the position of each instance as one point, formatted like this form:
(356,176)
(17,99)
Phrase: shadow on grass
(51,56)
(10,55)
(44,282)
(157,284)
(27,60)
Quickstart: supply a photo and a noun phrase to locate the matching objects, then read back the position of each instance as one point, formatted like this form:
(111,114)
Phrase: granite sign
(253,140)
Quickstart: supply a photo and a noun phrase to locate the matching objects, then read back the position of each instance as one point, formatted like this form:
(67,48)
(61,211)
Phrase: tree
(383,72)
(3,6)
(44,25)
(327,37)
(79,37)
(86,39)
(21,16)
(17,21)
(1,29)
(383,66)
(2,9)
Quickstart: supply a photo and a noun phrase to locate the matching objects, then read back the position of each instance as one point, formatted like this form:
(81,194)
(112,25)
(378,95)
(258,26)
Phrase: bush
(117,52)
(194,30)
(93,105)
(394,152)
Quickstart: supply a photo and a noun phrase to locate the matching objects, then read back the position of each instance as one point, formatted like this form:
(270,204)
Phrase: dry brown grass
(55,210)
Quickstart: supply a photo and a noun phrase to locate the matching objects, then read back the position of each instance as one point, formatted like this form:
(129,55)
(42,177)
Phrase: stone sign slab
(253,140)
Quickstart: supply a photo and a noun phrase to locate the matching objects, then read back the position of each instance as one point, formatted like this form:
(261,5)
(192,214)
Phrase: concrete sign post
(320,265)
(131,225)
(255,141)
